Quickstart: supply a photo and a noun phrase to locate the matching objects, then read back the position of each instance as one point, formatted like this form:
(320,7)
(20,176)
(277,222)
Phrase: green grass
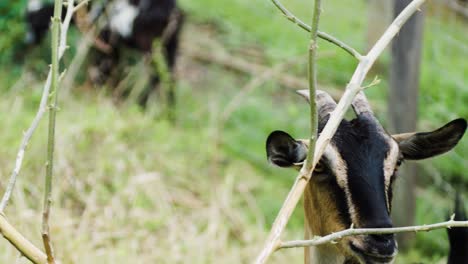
(131,187)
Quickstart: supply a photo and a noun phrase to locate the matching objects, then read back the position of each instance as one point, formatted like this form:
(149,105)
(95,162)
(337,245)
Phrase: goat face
(353,182)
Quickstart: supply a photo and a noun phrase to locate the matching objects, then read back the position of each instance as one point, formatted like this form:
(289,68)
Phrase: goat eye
(319,168)
(399,162)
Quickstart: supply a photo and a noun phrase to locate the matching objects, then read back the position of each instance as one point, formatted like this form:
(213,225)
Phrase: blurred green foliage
(12,28)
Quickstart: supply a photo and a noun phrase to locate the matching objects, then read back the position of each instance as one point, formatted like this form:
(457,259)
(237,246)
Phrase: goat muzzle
(376,248)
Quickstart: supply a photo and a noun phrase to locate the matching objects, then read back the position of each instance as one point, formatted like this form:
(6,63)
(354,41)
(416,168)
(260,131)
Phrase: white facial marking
(122,16)
(340,169)
(389,166)
(34,5)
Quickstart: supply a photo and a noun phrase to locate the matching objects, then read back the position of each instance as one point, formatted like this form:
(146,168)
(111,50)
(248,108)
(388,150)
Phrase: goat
(136,24)
(352,183)
(131,23)
(458,236)
(38,16)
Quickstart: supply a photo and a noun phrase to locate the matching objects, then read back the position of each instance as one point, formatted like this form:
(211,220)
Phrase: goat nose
(381,222)
(384,244)
(382,238)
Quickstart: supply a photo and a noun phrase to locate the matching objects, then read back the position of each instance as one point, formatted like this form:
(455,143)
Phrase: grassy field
(131,187)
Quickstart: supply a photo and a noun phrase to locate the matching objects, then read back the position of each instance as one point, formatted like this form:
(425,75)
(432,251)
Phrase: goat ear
(284,151)
(416,146)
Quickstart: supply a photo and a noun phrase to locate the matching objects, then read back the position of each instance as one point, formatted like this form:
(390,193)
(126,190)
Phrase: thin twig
(313,83)
(57,46)
(352,89)
(370,231)
(8,231)
(40,113)
(62,46)
(291,17)
(23,245)
(24,144)
(279,224)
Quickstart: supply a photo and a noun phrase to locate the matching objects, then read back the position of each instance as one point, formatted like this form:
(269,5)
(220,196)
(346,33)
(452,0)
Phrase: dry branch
(23,245)
(59,34)
(40,113)
(370,231)
(352,89)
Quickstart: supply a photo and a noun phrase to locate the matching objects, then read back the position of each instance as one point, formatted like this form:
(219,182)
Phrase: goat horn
(325,103)
(361,105)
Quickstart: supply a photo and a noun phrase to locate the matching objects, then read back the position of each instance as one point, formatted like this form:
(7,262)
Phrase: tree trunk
(403,108)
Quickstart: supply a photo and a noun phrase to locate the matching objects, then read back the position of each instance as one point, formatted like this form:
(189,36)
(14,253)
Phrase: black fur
(428,144)
(38,23)
(283,150)
(458,236)
(364,150)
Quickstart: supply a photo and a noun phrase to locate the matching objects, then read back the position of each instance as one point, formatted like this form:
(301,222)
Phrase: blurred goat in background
(136,24)
(133,24)
(37,18)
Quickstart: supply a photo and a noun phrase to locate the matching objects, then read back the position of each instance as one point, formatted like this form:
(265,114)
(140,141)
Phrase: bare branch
(313,83)
(23,245)
(352,89)
(64,28)
(291,17)
(24,143)
(40,113)
(58,46)
(293,197)
(370,231)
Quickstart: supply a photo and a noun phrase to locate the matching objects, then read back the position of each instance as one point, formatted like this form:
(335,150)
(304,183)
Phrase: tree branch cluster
(48,102)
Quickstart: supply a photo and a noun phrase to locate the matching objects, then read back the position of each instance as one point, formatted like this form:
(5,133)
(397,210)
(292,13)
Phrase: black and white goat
(38,15)
(131,24)
(353,182)
(136,24)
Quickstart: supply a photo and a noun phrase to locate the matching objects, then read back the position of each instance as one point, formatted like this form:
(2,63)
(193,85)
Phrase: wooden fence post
(403,109)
